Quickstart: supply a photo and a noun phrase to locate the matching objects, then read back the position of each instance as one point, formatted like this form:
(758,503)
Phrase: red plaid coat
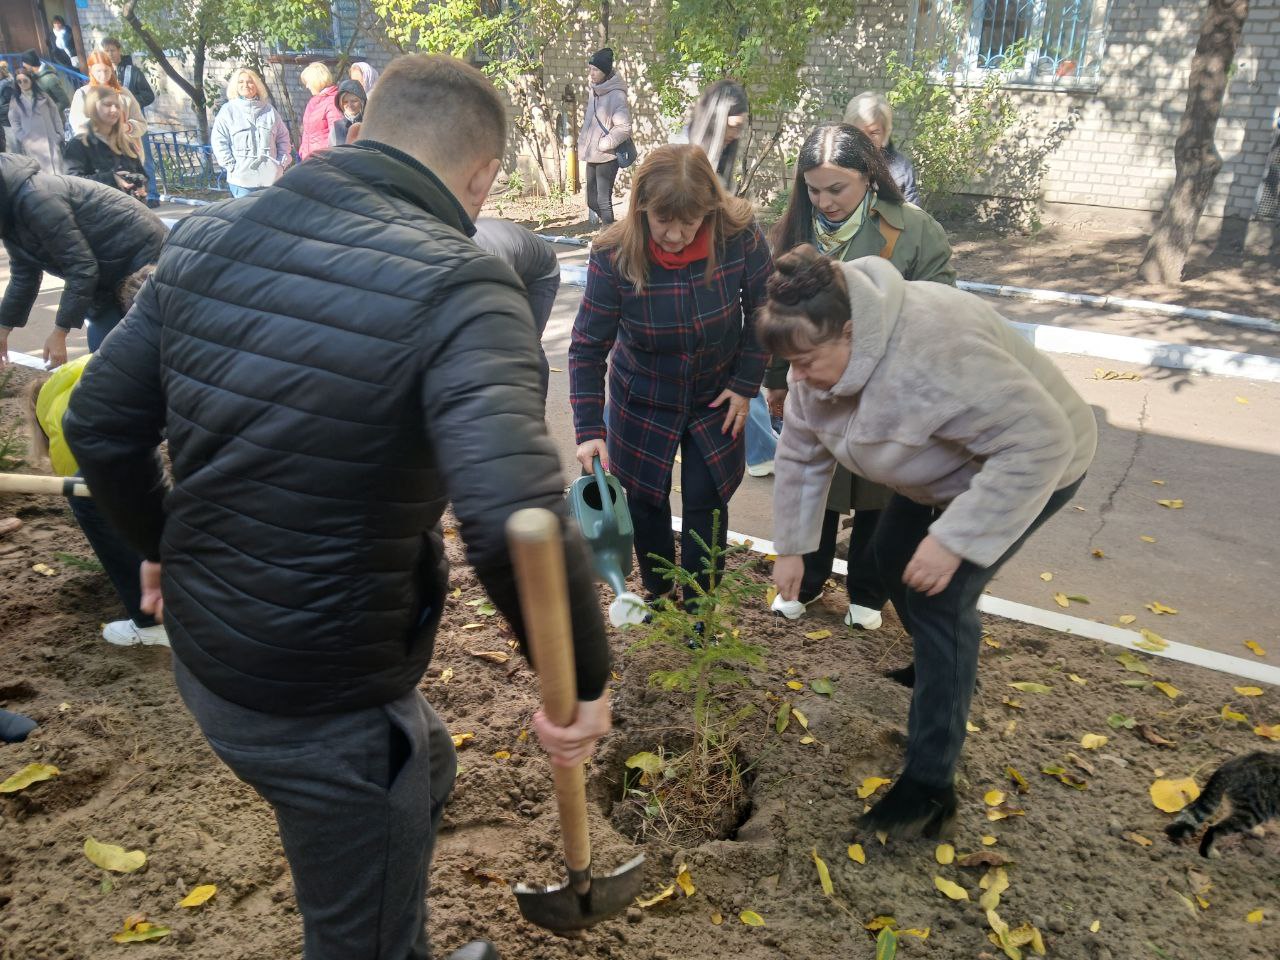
(675,347)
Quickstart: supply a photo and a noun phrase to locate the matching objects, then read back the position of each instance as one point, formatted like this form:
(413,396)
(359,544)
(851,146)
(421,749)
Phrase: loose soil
(135,771)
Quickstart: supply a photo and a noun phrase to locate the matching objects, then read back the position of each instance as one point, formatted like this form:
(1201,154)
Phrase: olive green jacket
(920,251)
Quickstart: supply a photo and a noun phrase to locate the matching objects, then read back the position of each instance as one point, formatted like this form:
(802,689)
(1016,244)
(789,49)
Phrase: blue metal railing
(185,164)
(74,77)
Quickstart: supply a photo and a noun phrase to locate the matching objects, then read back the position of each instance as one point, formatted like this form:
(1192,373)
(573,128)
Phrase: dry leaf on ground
(751,918)
(871,785)
(31,773)
(198,895)
(824,875)
(110,857)
(950,889)
(1172,795)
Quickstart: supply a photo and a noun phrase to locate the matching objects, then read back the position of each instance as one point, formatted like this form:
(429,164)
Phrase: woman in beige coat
(929,391)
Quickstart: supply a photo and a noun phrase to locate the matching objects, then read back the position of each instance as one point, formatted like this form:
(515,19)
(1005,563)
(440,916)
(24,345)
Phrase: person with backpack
(606,126)
(51,84)
(846,203)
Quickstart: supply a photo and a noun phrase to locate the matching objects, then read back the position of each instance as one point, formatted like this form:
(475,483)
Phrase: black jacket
(7,89)
(324,400)
(338,135)
(89,234)
(135,81)
(90,157)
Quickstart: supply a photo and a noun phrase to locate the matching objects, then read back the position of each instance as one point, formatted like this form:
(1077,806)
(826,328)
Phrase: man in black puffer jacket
(333,360)
(89,234)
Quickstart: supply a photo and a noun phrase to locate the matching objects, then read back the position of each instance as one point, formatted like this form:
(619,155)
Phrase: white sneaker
(791,609)
(126,633)
(863,617)
(760,469)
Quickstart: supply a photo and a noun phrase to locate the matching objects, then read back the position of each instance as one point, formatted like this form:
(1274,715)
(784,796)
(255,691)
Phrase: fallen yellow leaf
(994,883)
(751,918)
(800,718)
(972,727)
(770,595)
(137,929)
(915,932)
(1230,715)
(824,875)
(1061,600)
(1126,618)
(808,739)
(1254,916)
(1095,926)
(1171,504)
(446,674)
(993,798)
(1158,483)
(685,881)
(1076,679)
(1160,609)
(876,924)
(31,773)
(1003,812)
(666,893)
(945,854)
(856,853)
(1172,795)
(1099,555)
(989,841)
(1249,691)
(460,738)
(1241,400)
(950,889)
(717,918)
(1168,689)
(1137,838)
(1271,732)
(882,836)
(870,786)
(1092,741)
(1145,539)
(1046,576)
(795,685)
(502,755)
(1028,687)
(818,635)
(991,641)
(1257,650)
(198,895)
(1151,641)
(110,857)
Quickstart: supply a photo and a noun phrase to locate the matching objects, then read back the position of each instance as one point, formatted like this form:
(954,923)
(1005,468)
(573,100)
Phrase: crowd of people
(317,426)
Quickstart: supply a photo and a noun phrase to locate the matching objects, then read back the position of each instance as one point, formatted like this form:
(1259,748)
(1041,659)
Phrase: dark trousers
(862,582)
(120,561)
(358,798)
(600,178)
(106,314)
(699,500)
(945,633)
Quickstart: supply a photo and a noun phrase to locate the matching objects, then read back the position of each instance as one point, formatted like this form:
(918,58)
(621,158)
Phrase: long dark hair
(720,101)
(845,146)
(36,93)
(808,303)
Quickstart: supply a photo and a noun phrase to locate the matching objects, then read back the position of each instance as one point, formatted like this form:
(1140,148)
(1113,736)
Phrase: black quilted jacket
(89,234)
(333,360)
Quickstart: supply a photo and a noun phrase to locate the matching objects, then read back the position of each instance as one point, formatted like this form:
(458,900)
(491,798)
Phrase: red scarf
(698,249)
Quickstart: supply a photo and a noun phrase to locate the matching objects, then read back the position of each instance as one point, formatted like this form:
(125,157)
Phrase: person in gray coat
(606,125)
(872,114)
(929,391)
(249,139)
(35,123)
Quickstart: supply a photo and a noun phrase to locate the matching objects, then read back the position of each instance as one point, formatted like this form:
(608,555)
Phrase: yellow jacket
(51,406)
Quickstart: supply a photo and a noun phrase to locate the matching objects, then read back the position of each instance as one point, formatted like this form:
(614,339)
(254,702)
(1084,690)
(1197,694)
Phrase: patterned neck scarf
(833,239)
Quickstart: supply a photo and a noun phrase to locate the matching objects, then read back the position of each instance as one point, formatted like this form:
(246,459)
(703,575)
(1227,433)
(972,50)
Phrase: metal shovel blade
(563,908)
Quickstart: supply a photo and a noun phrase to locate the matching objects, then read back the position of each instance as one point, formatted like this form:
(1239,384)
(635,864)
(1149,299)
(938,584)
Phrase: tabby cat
(1250,782)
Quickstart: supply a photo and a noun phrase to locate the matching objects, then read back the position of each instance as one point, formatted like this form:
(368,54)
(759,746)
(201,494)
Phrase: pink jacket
(317,119)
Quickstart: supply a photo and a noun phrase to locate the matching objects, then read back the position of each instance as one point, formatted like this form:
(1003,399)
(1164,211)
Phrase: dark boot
(903,675)
(475,950)
(14,727)
(913,809)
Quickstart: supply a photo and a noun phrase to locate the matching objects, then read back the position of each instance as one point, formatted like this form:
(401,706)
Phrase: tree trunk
(1196,158)
(194,92)
(200,103)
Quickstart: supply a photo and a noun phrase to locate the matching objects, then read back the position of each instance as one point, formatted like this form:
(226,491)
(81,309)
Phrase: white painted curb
(1075,626)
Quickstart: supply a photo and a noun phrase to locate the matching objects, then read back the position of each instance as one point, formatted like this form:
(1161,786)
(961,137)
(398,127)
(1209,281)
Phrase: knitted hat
(602,60)
(31,58)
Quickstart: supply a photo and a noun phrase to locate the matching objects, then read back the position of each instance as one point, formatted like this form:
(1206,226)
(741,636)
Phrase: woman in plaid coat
(672,290)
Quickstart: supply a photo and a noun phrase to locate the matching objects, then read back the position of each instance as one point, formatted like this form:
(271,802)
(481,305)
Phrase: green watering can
(599,506)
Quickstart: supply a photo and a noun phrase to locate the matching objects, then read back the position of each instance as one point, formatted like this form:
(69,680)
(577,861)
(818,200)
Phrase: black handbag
(625,152)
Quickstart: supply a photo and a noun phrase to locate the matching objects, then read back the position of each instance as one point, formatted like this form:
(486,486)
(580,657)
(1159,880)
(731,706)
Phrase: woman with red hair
(102,73)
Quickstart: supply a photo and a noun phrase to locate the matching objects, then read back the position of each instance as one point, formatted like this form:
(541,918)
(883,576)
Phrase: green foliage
(949,131)
(79,563)
(702,633)
(228,29)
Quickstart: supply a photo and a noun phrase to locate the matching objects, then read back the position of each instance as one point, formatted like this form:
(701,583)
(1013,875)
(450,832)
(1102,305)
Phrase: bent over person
(980,437)
(317,428)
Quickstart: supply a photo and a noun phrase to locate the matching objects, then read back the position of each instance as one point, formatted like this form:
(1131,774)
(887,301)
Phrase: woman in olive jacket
(846,203)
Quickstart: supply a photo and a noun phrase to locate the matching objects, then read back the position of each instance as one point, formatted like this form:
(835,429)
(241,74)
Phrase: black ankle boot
(913,809)
(904,675)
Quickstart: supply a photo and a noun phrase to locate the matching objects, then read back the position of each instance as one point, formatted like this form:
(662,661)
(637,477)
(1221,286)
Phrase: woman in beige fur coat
(929,391)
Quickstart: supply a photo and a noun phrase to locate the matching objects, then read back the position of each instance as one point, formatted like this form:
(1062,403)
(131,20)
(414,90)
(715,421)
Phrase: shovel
(537,552)
(53,486)
(599,506)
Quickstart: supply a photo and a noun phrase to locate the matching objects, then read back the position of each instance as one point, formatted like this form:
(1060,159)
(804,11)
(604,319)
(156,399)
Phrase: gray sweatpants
(358,797)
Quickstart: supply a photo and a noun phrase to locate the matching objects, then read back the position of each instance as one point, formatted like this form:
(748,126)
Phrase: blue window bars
(1033,41)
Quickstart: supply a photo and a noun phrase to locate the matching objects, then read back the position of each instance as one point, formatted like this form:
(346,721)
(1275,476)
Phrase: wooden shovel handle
(537,552)
(53,486)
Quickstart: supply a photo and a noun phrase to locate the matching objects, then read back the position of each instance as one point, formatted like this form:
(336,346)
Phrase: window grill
(1033,41)
(1269,192)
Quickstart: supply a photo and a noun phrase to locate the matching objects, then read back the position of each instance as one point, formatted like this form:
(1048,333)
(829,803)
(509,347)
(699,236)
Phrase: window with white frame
(1030,41)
